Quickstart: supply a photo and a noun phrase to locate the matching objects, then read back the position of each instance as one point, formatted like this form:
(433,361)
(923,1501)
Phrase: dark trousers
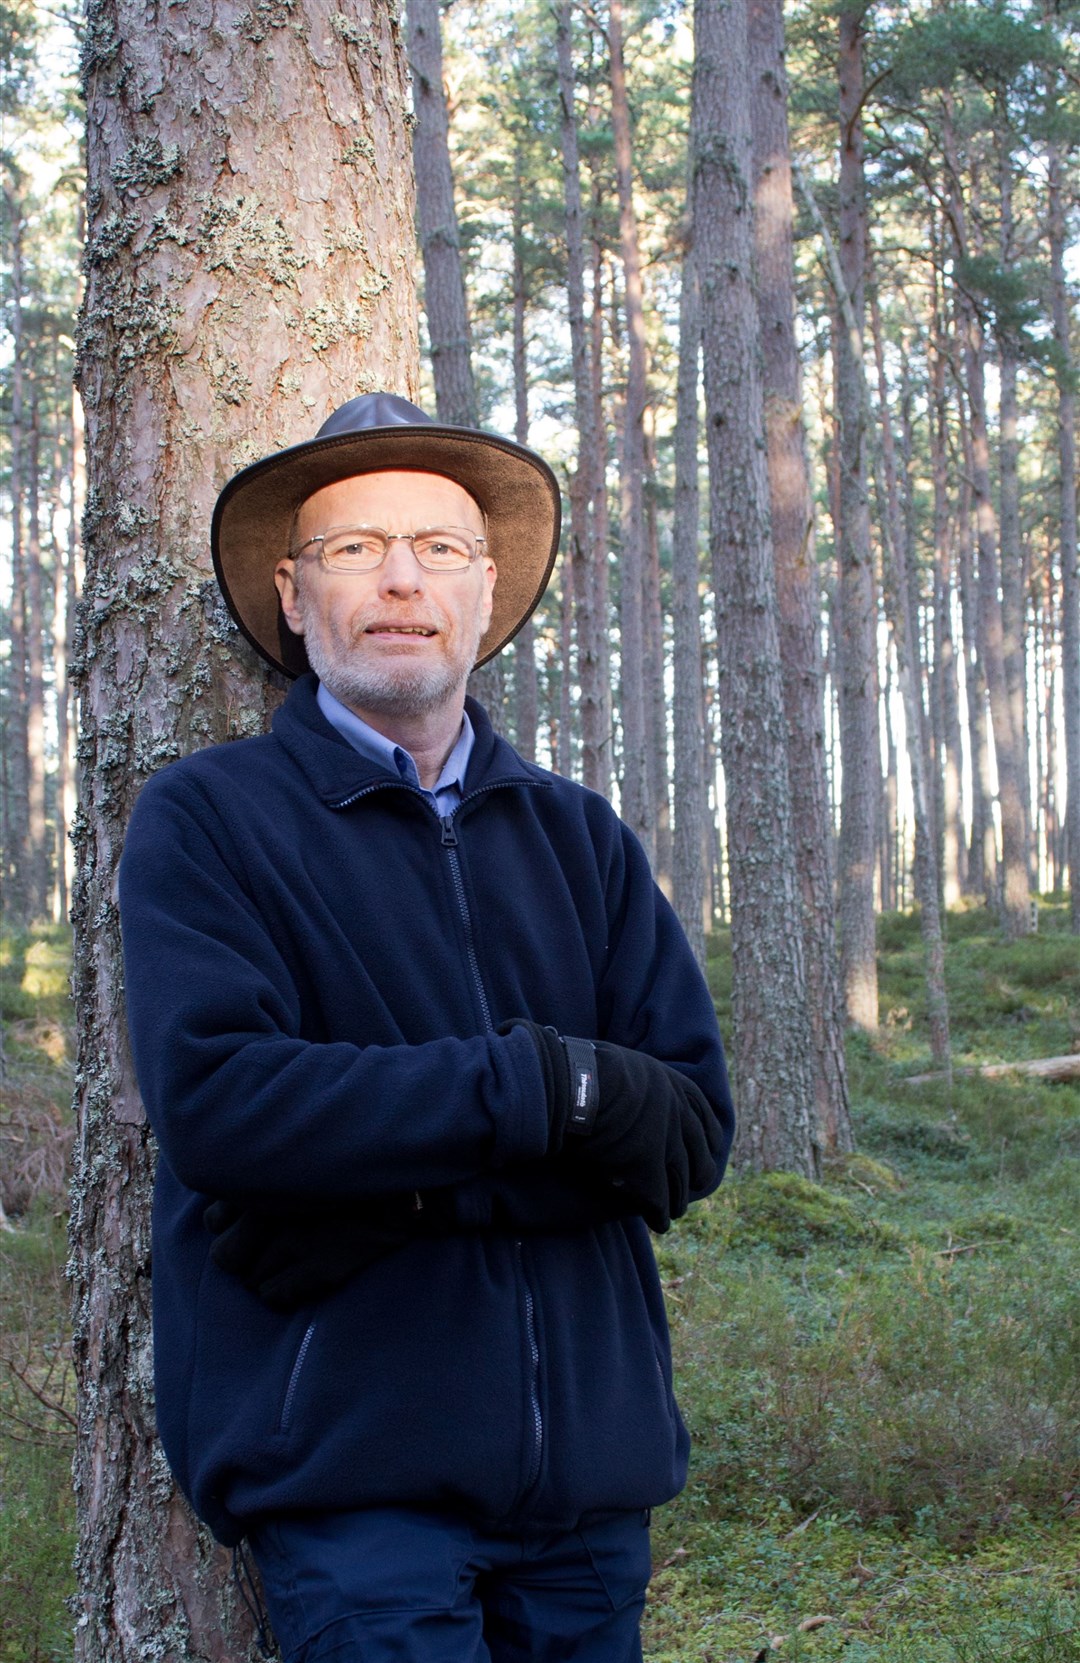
(371,1586)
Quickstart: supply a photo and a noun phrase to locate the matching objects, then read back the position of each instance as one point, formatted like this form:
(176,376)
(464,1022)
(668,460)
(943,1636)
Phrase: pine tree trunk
(858,610)
(902,622)
(440,244)
(637,810)
(689,853)
(798,593)
(1070,568)
(982,861)
(240,284)
(587,553)
(38,867)
(526,712)
(18,884)
(946,676)
(773,1045)
(658,771)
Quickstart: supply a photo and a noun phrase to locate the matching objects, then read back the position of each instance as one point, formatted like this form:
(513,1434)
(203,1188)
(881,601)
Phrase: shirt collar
(395,758)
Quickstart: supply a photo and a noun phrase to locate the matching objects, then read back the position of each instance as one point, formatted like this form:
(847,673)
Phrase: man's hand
(291,1253)
(640,1123)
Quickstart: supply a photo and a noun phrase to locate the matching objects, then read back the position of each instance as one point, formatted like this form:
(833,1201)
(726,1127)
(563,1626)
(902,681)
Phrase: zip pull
(449,835)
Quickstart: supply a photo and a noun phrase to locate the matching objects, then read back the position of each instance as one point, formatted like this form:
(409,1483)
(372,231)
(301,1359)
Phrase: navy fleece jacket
(316,964)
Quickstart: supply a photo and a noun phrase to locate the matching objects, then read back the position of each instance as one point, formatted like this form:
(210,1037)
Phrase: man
(426,1054)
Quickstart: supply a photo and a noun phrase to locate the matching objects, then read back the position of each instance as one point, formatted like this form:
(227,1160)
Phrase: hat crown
(372,410)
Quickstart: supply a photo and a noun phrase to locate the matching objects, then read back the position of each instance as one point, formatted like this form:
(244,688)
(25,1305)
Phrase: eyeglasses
(363,548)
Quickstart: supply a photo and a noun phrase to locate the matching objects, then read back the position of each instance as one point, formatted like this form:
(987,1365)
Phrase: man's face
(398,641)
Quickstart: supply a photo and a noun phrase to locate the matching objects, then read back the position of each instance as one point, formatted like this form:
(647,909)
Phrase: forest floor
(881,1372)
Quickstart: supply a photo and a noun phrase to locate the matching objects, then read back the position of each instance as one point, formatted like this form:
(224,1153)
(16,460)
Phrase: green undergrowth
(881,1371)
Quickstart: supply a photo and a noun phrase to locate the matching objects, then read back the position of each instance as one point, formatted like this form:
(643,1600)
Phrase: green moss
(790,1215)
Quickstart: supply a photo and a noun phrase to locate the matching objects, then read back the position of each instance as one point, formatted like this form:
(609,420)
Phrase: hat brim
(253,519)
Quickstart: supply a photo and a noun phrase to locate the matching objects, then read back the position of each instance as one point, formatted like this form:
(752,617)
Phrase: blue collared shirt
(396,759)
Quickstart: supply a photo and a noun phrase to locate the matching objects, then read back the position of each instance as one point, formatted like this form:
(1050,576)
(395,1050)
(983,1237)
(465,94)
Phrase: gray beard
(404,691)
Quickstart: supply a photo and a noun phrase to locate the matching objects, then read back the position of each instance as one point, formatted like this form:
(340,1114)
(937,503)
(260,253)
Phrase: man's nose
(401,573)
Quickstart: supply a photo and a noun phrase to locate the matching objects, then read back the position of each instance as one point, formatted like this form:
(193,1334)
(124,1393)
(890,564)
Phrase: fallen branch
(1045,1068)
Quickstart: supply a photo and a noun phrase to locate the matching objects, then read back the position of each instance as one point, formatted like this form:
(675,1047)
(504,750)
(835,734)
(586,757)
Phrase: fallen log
(1046,1068)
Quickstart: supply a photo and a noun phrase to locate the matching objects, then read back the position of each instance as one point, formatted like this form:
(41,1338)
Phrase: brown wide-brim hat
(254,515)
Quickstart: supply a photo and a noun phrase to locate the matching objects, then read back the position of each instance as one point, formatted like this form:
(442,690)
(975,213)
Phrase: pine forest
(787,297)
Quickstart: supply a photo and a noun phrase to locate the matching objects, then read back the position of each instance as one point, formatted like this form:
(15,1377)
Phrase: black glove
(291,1253)
(629,1116)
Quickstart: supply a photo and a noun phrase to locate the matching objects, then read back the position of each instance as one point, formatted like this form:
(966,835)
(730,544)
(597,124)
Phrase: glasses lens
(358,549)
(444,548)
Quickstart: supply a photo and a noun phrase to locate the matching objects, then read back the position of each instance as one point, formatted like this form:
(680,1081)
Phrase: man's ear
(289,594)
(490,574)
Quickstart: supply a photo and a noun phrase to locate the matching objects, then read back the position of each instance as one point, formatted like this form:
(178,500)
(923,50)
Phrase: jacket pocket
(288,1401)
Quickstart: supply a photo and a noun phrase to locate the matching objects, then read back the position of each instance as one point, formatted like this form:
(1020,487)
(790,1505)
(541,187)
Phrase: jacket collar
(336,771)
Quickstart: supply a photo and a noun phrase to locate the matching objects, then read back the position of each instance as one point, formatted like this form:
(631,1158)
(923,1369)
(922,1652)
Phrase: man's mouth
(399,629)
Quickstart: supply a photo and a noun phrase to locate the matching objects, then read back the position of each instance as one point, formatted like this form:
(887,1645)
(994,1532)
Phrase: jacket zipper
(450,844)
(294,1378)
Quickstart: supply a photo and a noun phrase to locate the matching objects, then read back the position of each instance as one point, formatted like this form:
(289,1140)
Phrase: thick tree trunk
(249,267)
(773,1046)
(858,609)
(637,810)
(1070,568)
(798,590)
(690,859)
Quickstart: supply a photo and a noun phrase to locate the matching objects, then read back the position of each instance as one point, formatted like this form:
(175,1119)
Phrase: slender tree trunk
(658,770)
(773,1043)
(690,856)
(798,591)
(637,810)
(601,514)
(1016,908)
(38,869)
(17,866)
(525,688)
(946,676)
(235,294)
(902,621)
(858,610)
(440,243)
(587,553)
(1070,569)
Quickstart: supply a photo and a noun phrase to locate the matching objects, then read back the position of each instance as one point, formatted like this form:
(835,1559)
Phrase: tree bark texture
(798,590)
(637,810)
(249,267)
(689,853)
(440,244)
(1070,567)
(588,554)
(773,1048)
(38,865)
(526,695)
(15,755)
(950,760)
(859,747)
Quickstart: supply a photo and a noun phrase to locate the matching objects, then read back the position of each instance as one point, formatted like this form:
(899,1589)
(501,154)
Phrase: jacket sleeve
(242,1105)
(651,994)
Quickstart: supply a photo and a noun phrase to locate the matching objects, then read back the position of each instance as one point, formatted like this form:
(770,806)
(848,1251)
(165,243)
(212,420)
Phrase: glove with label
(640,1123)
(291,1253)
